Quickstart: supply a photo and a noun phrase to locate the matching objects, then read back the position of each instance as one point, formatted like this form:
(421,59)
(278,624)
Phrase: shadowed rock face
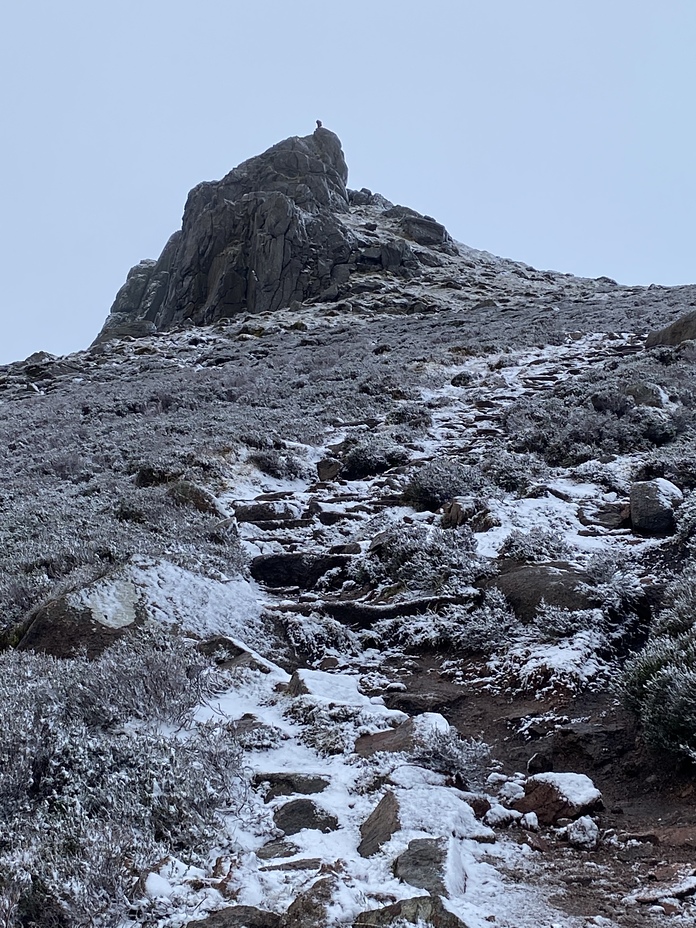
(266,234)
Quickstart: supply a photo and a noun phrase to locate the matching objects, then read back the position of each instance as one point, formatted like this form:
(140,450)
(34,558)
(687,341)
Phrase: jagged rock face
(268,233)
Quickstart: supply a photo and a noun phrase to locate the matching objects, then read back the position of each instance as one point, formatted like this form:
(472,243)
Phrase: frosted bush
(477,628)
(316,635)
(592,415)
(615,583)
(370,457)
(412,415)
(659,682)
(283,465)
(102,773)
(464,759)
(421,557)
(439,481)
(535,546)
(685,518)
(567,666)
(556,622)
(514,473)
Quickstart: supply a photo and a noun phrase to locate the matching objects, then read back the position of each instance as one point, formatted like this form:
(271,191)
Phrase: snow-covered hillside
(374,608)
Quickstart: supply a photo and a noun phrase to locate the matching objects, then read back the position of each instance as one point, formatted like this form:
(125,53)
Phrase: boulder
(559,795)
(294,569)
(310,908)
(275,849)
(266,235)
(653,503)
(223,650)
(422,864)
(328,469)
(684,329)
(463,510)
(582,833)
(256,512)
(462,379)
(558,584)
(421,910)
(238,916)
(612,515)
(382,823)
(299,814)
(393,740)
(647,394)
(120,325)
(63,628)
(285,784)
(424,231)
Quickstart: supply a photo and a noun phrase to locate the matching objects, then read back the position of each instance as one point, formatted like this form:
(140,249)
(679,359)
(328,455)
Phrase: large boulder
(420,910)
(239,916)
(294,568)
(63,628)
(559,795)
(423,864)
(684,329)
(299,814)
(265,235)
(557,584)
(653,503)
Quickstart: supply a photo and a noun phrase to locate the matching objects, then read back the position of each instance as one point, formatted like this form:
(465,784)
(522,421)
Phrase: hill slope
(420,503)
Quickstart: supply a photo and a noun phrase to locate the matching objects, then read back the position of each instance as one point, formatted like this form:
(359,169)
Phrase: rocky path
(636,868)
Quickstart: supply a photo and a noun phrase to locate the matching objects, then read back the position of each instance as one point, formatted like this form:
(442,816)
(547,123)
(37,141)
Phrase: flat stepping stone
(299,814)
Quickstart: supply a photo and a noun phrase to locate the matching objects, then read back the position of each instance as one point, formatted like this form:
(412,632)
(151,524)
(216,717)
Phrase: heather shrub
(437,482)
(445,751)
(421,557)
(514,473)
(315,635)
(103,772)
(685,518)
(535,546)
(659,682)
(283,465)
(614,581)
(372,456)
(474,627)
(555,622)
(413,415)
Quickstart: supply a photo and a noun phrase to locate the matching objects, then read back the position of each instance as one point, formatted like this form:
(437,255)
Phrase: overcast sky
(557,132)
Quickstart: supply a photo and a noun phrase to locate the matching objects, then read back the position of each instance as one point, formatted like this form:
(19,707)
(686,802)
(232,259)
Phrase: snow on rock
(410,775)
(156,885)
(441,811)
(337,688)
(499,816)
(652,506)
(171,595)
(559,795)
(111,600)
(582,833)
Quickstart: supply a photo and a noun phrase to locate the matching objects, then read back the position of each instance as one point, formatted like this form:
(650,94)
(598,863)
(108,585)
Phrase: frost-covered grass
(102,774)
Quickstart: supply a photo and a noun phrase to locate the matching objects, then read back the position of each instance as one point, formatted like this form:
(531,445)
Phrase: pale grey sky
(557,132)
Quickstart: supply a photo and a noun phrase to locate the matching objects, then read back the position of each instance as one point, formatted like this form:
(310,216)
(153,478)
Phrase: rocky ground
(420,512)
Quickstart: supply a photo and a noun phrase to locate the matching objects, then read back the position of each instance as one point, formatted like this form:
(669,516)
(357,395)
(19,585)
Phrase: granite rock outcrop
(267,234)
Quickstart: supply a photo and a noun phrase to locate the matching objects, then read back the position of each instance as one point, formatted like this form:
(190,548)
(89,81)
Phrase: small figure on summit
(319,124)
